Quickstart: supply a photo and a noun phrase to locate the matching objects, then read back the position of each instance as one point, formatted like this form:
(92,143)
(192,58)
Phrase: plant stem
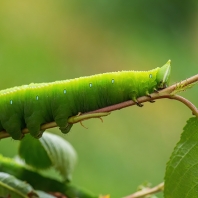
(187,103)
(147,191)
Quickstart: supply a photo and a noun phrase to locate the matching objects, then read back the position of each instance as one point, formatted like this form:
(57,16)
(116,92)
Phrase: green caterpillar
(30,106)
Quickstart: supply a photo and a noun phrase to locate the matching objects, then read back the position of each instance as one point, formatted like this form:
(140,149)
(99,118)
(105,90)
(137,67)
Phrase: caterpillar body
(30,106)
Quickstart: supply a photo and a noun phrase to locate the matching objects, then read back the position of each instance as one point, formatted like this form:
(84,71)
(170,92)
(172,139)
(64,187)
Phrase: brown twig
(147,191)
(165,93)
(187,103)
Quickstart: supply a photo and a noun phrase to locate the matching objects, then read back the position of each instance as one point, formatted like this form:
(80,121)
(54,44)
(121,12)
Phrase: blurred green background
(48,40)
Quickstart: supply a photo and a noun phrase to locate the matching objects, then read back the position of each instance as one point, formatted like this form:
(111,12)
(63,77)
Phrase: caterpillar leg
(151,101)
(15,133)
(33,124)
(35,130)
(137,103)
(63,124)
(13,126)
(66,129)
(133,96)
(155,90)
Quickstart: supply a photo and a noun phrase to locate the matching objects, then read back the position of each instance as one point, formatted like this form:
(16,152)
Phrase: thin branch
(147,191)
(165,93)
(187,103)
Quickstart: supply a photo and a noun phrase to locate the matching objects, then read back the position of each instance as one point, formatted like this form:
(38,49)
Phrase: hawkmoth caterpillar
(30,106)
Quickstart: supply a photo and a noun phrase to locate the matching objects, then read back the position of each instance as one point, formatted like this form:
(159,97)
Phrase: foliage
(49,150)
(181,176)
(55,147)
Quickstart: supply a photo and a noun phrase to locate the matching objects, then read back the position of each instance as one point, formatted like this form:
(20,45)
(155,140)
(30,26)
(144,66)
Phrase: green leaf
(38,181)
(10,185)
(181,178)
(44,195)
(33,152)
(49,150)
(62,154)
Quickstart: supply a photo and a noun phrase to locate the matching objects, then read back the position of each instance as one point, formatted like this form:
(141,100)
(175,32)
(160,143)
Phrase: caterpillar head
(163,76)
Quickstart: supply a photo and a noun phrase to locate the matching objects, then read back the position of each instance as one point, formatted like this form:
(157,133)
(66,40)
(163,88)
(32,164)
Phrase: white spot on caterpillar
(112,81)
(37,97)
(90,85)
(11,101)
(150,76)
(64,91)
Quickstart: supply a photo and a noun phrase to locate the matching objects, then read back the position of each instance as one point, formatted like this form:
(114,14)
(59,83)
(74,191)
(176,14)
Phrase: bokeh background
(48,40)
